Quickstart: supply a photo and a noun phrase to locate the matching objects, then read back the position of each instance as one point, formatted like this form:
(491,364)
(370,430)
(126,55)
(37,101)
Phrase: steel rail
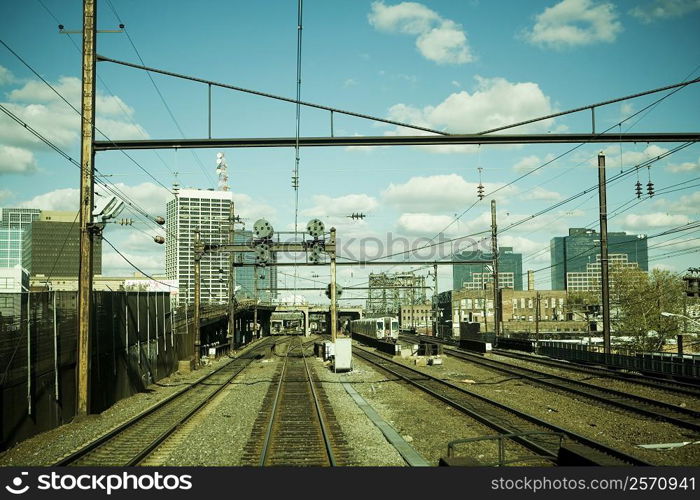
(273,411)
(639,379)
(643,380)
(629,402)
(105,438)
(595,445)
(321,420)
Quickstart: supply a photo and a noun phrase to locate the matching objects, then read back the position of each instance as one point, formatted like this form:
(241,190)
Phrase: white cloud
(248,208)
(115,265)
(629,158)
(325,206)
(439,40)
(5,194)
(664,9)
(16,160)
(573,23)
(495,102)
(6,76)
(70,88)
(687,204)
(422,224)
(439,194)
(147,196)
(59,199)
(539,193)
(350,82)
(688,166)
(43,110)
(529,163)
(653,220)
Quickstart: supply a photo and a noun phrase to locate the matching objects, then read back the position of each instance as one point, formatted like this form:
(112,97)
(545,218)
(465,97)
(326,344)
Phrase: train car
(391,328)
(369,327)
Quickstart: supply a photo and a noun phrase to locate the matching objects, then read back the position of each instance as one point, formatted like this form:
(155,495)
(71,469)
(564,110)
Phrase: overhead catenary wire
(126,259)
(103,83)
(160,94)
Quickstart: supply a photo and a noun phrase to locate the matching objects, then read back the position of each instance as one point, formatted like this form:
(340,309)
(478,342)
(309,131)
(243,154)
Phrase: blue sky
(455,66)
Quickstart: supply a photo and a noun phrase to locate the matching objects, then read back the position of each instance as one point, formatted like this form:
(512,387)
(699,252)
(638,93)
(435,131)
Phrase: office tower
(13,222)
(477,276)
(573,253)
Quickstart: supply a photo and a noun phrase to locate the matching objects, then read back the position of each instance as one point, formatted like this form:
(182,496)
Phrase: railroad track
(500,417)
(667,412)
(132,442)
(296,425)
(672,386)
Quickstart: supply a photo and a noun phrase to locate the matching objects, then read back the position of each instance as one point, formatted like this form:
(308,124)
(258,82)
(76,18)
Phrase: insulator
(160,220)
(480,191)
(650,188)
(159,239)
(638,189)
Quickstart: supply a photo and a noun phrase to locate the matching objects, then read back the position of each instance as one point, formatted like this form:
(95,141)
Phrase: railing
(501,438)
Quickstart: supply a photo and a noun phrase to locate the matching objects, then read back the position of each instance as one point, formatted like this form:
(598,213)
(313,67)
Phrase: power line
(135,266)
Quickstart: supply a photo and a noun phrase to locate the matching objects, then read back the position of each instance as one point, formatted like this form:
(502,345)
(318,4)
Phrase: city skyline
(496,65)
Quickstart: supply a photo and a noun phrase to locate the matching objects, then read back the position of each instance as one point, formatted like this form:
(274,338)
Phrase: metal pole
(231,286)
(148,329)
(494,250)
(334,305)
(138,325)
(197,291)
(126,326)
(537,316)
(255,305)
(55,348)
(605,285)
(29,355)
(87,157)
(435,302)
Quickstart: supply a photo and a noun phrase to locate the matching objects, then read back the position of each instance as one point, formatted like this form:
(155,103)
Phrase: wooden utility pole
(605,285)
(87,159)
(198,252)
(494,250)
(334,305)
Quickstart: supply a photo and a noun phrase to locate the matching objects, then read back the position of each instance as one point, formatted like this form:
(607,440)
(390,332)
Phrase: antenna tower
(222,171)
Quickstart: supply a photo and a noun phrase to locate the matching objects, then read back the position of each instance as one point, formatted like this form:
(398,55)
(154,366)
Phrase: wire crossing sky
(451,67)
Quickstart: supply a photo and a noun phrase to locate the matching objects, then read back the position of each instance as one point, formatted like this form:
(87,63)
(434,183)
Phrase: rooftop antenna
(222,170)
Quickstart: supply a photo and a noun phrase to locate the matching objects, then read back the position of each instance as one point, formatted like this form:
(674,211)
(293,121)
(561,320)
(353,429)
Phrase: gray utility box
(343,355)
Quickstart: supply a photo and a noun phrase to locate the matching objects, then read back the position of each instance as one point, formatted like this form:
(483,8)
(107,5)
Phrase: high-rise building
(266,285)
(477,276)
(51,246)
(209,212)
(590,279)
(13,222)
(573,253)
